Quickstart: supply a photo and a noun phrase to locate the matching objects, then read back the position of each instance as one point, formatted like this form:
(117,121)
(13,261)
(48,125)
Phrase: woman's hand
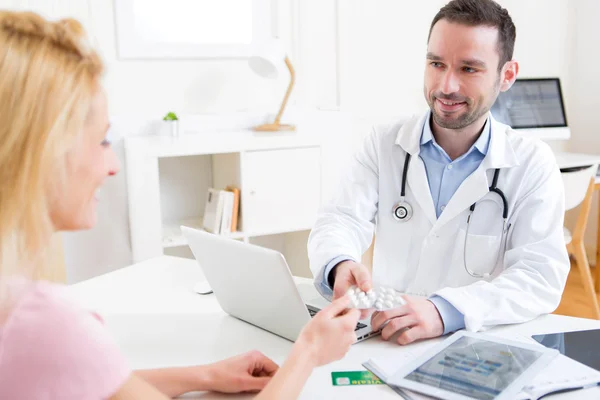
(326,338)
(329,335)
(248,372)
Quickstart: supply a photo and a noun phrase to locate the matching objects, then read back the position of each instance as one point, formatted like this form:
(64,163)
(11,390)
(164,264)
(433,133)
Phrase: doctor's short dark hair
(482,12)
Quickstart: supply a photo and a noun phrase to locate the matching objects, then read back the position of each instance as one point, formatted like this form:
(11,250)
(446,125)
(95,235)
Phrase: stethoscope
(403,212)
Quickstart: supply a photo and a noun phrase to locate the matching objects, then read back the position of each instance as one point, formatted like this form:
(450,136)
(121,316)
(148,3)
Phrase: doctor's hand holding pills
(417,318)
(348,274)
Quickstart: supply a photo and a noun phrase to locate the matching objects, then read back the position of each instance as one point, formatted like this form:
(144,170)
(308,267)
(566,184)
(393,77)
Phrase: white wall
(362,57)
(585,100)
(383,46)
(585,84)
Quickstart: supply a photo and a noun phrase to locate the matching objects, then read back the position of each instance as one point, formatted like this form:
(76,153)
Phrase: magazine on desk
(476,366)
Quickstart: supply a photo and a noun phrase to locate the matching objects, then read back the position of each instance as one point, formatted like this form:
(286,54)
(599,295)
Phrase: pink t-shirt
(51,349)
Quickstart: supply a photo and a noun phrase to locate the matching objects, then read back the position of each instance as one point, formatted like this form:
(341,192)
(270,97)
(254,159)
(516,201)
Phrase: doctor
(468,216)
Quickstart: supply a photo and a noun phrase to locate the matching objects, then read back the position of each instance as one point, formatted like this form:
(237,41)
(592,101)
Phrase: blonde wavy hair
(48,77)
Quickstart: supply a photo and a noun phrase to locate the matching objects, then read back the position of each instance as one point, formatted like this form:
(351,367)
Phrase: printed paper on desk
(562,373)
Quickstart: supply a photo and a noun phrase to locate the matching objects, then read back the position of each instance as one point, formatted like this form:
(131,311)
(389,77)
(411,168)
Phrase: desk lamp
(266,62)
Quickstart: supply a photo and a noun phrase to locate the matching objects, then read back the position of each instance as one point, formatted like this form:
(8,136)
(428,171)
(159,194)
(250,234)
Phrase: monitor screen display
(531,103)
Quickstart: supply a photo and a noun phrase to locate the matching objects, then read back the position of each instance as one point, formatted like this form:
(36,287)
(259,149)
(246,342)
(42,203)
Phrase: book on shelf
(236,207)
(213,211)
(227,214)
(221,211)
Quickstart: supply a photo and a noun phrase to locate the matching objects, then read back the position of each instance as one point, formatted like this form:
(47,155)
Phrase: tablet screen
(476,368)
(581,346)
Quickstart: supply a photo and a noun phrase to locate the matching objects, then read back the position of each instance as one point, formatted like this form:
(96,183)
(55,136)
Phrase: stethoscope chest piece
(402,211)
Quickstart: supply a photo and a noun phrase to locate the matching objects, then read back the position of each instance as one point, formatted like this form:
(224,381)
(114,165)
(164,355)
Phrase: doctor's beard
(466,117)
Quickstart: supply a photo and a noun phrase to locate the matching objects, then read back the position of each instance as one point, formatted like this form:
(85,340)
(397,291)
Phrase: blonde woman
(54,155)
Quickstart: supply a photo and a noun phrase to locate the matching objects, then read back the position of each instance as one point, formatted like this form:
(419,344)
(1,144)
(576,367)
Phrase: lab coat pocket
(481,252)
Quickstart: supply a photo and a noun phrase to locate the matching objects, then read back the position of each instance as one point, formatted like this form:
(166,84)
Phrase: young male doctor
(468,216)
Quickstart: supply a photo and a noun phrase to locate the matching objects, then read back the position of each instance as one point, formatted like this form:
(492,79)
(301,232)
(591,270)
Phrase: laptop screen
(531,103)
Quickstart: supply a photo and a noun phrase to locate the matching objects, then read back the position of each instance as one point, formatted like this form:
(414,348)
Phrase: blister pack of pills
(380,298)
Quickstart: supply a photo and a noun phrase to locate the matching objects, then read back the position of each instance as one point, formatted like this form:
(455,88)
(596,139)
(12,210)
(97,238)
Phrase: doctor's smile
(449,106)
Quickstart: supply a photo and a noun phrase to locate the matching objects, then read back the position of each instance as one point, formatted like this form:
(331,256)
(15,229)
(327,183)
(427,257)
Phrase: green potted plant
(172,121)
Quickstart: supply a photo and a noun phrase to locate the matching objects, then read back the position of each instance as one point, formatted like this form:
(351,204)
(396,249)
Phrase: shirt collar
(482,143)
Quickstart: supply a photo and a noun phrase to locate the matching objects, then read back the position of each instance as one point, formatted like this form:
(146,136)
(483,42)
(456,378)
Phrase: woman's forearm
(289,380)
(177,381)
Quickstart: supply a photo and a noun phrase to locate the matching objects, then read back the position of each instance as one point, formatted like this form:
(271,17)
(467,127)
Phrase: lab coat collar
(409,134)
(408,138)
(500,153)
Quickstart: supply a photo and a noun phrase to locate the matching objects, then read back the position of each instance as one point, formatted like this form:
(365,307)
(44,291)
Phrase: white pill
(370,291)
(400,300)
(350,291)
(389,297)
(362,295)
(378,305)
(389,304)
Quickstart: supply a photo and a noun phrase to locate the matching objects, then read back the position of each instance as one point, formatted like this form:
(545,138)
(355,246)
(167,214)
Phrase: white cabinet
(280,189)
(167,178)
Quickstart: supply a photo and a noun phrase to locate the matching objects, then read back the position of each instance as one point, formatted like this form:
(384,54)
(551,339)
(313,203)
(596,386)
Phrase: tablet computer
(469,366)
(581,346)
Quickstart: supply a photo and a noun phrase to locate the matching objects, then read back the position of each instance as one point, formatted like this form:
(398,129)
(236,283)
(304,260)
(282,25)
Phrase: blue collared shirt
(443,174)
(444,177)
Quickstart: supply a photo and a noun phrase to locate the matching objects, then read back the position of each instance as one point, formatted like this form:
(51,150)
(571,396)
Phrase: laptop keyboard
(313,311)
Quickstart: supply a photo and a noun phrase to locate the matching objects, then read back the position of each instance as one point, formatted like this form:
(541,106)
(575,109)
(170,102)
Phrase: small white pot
(172,128)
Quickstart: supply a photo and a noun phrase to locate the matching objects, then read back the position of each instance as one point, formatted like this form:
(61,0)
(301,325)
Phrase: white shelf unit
(172,236)
(279,176)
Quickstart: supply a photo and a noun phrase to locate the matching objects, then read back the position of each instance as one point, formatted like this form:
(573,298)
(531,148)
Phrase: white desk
(571,160)
(159,321)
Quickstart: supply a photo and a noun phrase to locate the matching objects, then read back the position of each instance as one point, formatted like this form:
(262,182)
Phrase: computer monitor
(534,107)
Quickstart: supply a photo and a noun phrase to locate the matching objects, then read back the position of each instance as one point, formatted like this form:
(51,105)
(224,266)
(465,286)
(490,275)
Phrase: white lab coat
(424,256)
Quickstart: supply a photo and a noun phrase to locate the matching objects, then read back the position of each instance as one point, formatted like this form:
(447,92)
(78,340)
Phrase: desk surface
(570,160)
(159,321)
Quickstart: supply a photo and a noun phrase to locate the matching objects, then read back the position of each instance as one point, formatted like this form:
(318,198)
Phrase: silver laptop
(254,284)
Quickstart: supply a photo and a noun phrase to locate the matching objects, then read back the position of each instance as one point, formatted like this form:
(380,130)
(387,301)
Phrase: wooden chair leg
(597,266)
(586,276)
(597,281)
